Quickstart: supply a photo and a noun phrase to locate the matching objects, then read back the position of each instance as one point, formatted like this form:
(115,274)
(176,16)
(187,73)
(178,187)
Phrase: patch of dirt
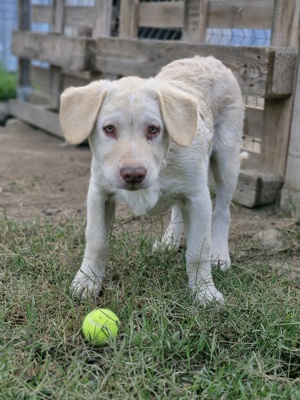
(41,175)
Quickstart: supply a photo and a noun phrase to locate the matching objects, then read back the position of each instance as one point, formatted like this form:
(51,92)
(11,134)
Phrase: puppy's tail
(243,156)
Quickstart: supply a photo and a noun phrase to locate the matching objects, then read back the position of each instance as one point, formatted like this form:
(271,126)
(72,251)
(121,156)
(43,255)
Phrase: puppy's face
(129,140)
(129,123)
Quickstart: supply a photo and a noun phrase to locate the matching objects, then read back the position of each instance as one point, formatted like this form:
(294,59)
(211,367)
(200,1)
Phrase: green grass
(8,84)
(168,346)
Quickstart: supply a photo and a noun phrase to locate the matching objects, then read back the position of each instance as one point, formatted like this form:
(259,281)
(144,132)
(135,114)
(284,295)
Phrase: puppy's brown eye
(110,130)
(152,131)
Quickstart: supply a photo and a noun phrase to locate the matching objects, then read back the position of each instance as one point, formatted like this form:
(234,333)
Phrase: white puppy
(152,142)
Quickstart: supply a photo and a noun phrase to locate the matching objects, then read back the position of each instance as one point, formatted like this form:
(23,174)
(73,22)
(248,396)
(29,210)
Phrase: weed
(8,84)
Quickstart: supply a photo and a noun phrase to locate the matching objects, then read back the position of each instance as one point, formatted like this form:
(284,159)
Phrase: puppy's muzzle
(133,176)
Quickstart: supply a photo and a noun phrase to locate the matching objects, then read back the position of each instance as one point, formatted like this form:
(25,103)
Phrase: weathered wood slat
(103,12)
(62,51)
(256,188)
(251,65)
(241,14)
(129,18)
(195,21)
(41,14)
(281,74)
(36,115)
(258,69)
(253,123)
(24,23)
(73,80)
(291,191)
(40,79)
(277,113)
(81,16)
(161,14)
(74,15)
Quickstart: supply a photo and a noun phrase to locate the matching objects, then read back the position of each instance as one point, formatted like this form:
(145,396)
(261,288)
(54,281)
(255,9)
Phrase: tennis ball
(99,326)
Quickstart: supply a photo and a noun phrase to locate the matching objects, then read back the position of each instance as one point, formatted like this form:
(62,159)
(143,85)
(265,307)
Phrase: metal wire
(238,37)
(8,12)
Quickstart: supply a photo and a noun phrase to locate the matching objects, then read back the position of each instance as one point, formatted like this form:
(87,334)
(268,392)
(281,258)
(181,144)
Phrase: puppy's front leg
(197,214)
(100,212)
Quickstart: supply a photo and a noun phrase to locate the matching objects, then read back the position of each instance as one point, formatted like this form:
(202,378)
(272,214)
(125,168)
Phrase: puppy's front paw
(208,293)
(87,282)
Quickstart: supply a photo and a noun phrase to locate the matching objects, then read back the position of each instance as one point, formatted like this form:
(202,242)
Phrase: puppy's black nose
(133,175)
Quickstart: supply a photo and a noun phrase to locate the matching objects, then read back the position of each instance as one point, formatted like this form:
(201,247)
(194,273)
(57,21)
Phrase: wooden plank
(256,188)
(24,23)
(129,18)
(277,115)
(290,198)
(40,98)
(66,52)
(285,23)
(36,115)
(40,79)
(146,57)
(103,12)
(282,73)
(71,80)
(58,16)
(195,21)
(41,14)
(242,14)
(58,24)
(81,16)
(56,86)
(253,122)
(252,137)
(74,15)
(293,164)
(161,14)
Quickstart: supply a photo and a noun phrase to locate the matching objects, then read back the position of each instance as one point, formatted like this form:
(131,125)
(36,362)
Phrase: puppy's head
(129,124)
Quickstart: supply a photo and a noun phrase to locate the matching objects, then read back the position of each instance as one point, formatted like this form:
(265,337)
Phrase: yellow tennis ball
(100,326)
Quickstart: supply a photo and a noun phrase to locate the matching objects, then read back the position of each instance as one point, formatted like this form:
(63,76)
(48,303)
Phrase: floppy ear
(180,114)
(79,109)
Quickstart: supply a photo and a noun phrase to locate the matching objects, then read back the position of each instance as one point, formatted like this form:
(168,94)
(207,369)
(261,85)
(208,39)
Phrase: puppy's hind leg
(225,165)
(173,235)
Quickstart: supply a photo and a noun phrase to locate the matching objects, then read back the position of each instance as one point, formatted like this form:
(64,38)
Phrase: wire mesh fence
(9,18)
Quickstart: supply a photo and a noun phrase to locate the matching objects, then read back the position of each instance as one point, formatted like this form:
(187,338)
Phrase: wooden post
(278,112)
(129,17)
(102,28)
(195,20)
(290,196)
(24,22)
(103,10)
(56,74)
(58,16)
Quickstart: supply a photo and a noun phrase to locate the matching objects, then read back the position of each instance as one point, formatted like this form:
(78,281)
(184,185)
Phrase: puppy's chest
(152,201)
